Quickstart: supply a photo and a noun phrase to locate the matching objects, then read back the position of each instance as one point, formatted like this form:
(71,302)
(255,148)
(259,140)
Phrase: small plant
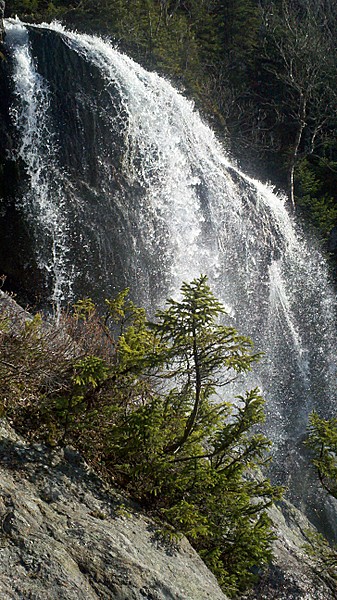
(123,512)
(97,514)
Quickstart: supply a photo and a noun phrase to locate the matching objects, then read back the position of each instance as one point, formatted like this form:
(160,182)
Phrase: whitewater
(154,201)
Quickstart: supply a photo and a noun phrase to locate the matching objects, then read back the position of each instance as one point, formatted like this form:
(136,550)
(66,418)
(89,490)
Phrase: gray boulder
(64,536)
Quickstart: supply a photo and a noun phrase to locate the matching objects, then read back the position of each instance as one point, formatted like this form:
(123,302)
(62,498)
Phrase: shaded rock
(10,308)
(292,574)
(332,241)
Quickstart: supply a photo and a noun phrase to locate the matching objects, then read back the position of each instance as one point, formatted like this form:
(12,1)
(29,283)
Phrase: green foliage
(206,353)
(90,370)
(322,440)
(149,414)
(84,308)
(316,192)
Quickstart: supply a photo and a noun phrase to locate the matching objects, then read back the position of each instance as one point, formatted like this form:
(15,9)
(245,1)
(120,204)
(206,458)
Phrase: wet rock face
(17,259)
(81,146)
(65,537)
(78,132)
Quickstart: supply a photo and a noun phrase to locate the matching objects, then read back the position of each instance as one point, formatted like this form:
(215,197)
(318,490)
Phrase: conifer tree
(189,454)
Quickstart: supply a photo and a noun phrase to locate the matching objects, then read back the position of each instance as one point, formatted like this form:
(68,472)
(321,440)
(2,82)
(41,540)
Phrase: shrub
(141,400)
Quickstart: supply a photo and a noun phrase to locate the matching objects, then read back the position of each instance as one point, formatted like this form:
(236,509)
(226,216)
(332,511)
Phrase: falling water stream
(126,185)
(37,150)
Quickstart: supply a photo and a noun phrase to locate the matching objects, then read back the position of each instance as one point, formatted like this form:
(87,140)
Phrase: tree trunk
(295,148)
(191,421)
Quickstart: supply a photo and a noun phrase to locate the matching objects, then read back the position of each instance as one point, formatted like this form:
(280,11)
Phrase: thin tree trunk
(295,149)
(190,423)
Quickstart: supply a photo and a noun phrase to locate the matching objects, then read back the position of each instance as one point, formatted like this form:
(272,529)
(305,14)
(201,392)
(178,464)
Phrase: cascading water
(41,202)
(125,185)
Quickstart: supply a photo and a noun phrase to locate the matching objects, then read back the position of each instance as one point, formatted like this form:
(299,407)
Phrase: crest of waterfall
(126,185)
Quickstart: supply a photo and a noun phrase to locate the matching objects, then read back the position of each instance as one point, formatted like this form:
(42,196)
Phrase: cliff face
(292,575)
(68,193)
(63,536)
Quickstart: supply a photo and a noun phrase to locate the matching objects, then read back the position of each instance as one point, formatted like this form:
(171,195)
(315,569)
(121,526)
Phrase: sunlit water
(175,207)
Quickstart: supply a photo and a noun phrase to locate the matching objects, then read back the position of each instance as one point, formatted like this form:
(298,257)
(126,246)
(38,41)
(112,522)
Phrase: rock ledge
(63,536)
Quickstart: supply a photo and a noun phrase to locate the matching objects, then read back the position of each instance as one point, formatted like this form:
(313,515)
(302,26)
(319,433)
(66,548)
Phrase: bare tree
(300,52)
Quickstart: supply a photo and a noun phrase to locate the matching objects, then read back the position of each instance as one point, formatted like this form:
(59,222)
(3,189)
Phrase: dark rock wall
(100,206)
(2,12)
(16,242)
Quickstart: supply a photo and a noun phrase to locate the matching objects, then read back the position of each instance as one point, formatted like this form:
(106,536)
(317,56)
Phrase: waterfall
(40,202)
(126,185)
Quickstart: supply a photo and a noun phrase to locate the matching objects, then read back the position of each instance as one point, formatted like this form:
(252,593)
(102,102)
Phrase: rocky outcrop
(64,536)
(10,308)
(292,575)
